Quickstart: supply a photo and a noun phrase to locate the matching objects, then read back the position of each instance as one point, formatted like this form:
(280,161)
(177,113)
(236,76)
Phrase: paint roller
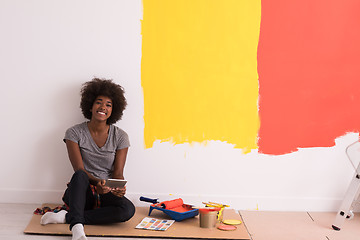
(176,205)
(171,204)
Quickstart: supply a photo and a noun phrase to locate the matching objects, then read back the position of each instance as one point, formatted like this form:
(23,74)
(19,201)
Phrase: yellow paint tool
(217,205)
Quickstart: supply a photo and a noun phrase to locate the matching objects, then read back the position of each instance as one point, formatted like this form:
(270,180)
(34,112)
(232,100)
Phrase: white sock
(78,232)
(51,217)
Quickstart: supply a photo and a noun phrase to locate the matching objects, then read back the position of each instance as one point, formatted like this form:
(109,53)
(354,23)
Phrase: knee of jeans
(125,214)
(80,175)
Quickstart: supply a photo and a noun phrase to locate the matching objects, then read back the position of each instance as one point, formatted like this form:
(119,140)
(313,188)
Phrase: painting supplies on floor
(176,209)
(217,205)
(232,222)
(209,217)
(154,224)
(212,214)
(225,227)
(229,224)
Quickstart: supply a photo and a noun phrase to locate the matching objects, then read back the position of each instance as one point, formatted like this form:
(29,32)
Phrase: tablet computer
(115,183)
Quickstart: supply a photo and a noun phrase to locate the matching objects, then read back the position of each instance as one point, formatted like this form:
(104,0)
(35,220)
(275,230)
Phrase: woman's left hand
(119,192)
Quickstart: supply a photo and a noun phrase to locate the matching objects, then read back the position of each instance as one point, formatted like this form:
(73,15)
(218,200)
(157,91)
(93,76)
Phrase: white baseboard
(236,202)
(30,196)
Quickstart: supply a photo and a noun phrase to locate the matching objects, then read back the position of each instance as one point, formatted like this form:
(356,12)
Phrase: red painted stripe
(309,73)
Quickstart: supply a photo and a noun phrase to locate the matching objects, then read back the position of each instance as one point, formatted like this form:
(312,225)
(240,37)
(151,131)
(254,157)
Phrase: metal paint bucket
(208,219)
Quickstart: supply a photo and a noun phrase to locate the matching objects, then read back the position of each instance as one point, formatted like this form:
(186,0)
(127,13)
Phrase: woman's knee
(131,211)
(80,176)
(125,213)
(79,183)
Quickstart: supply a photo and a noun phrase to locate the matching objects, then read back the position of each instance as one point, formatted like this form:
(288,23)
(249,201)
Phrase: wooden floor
(260,225)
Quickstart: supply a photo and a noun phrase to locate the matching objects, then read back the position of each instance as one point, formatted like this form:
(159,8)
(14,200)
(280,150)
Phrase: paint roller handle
(151,200)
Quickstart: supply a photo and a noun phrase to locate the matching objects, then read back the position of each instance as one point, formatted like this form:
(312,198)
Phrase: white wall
(49,48)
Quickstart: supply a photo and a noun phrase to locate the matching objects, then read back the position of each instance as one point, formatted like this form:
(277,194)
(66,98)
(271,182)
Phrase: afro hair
(103,87)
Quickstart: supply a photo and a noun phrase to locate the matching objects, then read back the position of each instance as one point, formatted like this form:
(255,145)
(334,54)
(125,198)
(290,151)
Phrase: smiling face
(101,109)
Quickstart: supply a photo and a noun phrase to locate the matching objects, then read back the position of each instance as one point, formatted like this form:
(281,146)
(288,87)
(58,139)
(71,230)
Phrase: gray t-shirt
(98,161)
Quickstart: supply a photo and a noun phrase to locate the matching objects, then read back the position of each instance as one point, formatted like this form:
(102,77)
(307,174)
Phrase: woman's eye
(108,105)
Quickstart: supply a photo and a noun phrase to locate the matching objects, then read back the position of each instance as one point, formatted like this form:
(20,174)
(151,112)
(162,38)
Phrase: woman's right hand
(101,188)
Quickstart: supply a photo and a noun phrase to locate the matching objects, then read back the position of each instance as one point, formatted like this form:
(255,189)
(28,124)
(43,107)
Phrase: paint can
(208,219)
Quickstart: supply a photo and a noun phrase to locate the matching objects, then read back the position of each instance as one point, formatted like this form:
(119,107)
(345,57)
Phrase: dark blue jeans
(80,199)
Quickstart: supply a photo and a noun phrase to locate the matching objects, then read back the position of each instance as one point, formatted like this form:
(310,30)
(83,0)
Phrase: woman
(97,151)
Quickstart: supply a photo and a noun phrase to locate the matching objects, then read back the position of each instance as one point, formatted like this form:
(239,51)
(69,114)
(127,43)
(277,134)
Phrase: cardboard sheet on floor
(264,225)
(188,228)
(298,225)
(350,229)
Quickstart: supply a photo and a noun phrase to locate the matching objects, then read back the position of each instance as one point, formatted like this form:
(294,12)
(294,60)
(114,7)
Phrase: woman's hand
(119,192)
(101,188)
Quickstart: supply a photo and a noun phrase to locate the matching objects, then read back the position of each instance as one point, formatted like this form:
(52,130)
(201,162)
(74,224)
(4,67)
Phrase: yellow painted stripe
(199,71)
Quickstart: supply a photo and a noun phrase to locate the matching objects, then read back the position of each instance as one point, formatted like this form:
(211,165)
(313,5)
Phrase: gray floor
(15,217)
